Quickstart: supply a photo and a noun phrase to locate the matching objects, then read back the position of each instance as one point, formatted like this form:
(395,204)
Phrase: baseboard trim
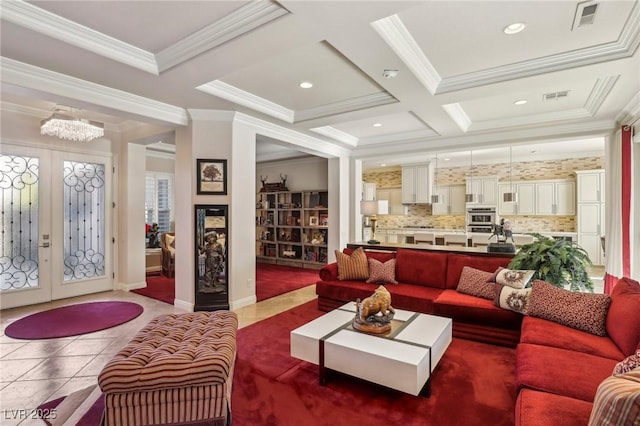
(132,286)
(236,304)
(181,304)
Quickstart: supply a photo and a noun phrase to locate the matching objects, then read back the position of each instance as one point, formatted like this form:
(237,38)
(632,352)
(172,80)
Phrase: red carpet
(160,288)
(271,280)
(73,320)
(473,385)
(274,280)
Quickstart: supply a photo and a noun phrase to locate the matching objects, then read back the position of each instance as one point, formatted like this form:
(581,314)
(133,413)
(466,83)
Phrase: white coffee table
(403,359)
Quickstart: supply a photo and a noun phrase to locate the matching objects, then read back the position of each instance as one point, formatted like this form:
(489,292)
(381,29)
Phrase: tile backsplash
(420,215)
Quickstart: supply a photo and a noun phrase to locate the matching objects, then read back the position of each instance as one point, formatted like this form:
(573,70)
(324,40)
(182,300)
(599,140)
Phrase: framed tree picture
(211,241)
(212,177)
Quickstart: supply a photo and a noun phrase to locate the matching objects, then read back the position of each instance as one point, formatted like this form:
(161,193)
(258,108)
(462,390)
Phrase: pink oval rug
(73,320)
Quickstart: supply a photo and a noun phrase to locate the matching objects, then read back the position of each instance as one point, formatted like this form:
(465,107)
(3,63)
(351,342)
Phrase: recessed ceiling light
(514,28)
(520,102)
(447,159)
(377,124)
(306,85)
(383,165)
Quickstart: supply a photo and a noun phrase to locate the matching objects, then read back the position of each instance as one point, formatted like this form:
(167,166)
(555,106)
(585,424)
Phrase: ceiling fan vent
(585,14)
(555,96)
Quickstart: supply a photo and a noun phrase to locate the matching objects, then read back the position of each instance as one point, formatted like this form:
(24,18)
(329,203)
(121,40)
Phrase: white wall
(303,174)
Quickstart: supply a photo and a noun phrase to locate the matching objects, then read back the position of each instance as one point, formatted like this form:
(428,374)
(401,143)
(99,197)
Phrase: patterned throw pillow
(514,299)
(629,363)
(475,283)
(353,266)
(582,311)
(382,273)
(514,278)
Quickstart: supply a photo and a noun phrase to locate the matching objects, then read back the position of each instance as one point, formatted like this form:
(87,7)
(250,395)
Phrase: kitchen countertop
(481,251)
(440,231)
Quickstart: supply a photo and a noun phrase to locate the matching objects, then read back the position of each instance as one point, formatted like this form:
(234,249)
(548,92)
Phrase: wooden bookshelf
(292,228)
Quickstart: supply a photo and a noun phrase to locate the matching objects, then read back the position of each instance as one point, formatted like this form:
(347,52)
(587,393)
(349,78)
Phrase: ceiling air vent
(555,96)
(585,14)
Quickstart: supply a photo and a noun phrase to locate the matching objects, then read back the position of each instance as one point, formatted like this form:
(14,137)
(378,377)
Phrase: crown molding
(397,36)
(235,24)
(303,142)
(210,115)
(458,115)
(336,134)
(354,104)
(531,120)
(400,137)
(599,93)
(499,138)
(231,93)
(631,110)
(24,110)
(40,79)
(44,22)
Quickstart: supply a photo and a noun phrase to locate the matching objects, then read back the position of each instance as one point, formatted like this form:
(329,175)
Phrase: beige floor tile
(13,369)
(7,348)
(95,366)
(73,385)
(58,367)
(85,347)
(28,394)
(39,349)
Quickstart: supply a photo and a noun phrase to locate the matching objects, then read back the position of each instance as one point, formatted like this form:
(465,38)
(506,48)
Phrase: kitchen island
(476,251)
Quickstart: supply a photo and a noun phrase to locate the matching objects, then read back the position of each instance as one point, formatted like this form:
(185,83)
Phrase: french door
(55,225)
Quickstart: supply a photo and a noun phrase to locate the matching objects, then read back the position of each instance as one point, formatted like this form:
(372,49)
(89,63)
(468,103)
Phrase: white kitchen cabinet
(591,186)
(416,184)
(486,187)
(394,196)
(368,191)
(452,200)
(591,213)
(556,198)
(526,204)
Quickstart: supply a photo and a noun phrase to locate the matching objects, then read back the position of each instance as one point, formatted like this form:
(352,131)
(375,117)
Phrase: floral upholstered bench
(177,369)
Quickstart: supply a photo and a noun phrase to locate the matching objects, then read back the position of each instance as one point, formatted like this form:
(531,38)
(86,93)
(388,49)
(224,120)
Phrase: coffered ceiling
(455,73)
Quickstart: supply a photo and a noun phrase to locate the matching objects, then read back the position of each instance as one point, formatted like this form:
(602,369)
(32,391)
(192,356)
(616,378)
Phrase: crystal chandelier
(70,128)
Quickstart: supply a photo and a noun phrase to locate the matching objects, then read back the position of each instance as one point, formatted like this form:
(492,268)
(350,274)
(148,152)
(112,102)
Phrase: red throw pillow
(382,273)
(582,311)
(474,282)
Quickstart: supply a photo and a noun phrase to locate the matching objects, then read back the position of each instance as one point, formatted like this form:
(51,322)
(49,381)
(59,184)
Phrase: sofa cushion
(623,319)
(455,263)
(421,267)
(617,401)
(539,331)
(403,295)
(629,363)
(382,273)
(534,408)
(352,266)
(329,272)
(474,282)
(513,278)
(474,310)
(583,311)
(560,371)
(514,299)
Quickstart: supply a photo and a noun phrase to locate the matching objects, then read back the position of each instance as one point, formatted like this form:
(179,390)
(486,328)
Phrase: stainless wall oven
(480,219)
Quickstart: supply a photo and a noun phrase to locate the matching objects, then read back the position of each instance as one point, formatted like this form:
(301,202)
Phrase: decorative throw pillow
(582,311)
(514,278)
(382,273)
(514,299)
(629,363)
(354,266)
(493,277)
(474,282)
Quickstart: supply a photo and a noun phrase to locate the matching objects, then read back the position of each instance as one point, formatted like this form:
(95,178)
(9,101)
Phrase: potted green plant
(562,263)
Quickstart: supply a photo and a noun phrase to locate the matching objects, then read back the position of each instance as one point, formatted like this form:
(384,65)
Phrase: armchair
(167,244)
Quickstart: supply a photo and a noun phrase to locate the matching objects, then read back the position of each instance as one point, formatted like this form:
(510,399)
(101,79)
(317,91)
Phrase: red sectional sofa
(558,368)
(427,282)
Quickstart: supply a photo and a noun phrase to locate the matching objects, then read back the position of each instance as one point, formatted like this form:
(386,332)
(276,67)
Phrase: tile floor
(36,371)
